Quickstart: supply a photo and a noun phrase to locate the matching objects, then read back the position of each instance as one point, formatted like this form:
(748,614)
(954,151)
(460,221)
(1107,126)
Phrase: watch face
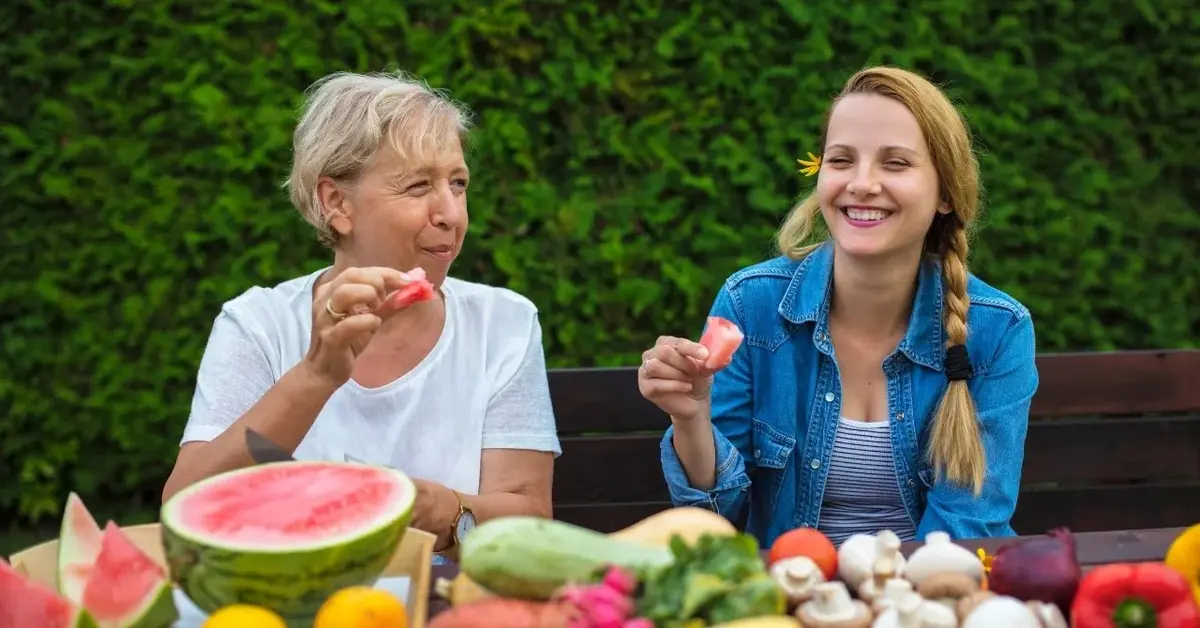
(466,523)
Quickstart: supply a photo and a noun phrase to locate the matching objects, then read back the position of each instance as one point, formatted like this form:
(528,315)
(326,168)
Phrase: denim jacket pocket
(772,450)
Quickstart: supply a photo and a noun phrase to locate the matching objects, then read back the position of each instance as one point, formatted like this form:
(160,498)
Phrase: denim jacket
(775,409)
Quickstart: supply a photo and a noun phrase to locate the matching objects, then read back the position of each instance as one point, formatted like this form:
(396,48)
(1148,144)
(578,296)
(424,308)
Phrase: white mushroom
(939,555)
(832,607)
(1002,611)
(1047,613)
(883,570)
(857,554)
(894,590)
(797,576)
(911,611)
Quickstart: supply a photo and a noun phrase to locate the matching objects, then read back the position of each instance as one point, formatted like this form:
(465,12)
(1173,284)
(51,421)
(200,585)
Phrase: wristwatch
(464,522)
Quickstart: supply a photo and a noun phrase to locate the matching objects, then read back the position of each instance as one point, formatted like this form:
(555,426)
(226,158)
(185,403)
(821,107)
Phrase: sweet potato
(505,613)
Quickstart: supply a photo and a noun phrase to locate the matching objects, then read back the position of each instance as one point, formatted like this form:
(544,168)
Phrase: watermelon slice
(285,536)
(722,338)
(26,603)
(418,289)
(126,588)
(78,547)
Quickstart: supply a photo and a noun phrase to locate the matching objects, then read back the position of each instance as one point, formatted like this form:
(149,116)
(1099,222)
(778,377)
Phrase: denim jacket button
(829,396)
(900,416)
(758,453)
(910,482)
(815,463)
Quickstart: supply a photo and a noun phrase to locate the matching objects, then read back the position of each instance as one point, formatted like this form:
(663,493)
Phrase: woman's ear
(335,206)
(944,208)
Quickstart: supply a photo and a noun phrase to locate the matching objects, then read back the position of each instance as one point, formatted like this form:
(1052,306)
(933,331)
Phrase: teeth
(866,214)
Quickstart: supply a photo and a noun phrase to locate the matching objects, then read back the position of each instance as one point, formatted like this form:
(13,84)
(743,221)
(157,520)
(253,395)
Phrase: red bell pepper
(1141,595)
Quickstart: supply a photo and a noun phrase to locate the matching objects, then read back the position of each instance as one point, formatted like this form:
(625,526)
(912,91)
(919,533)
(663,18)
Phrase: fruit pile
(689,568)
(292,544)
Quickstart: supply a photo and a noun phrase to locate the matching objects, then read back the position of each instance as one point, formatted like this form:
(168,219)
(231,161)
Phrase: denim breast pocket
(772,452)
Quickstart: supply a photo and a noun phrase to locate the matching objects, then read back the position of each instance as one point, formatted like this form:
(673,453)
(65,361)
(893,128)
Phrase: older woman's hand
(347,311)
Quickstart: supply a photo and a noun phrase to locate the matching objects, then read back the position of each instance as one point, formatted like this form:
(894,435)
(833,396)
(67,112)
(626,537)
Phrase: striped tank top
(862,493)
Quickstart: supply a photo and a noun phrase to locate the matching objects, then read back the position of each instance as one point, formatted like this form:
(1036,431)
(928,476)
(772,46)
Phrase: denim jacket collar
(806,300)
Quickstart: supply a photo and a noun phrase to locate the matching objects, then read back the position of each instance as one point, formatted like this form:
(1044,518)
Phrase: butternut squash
(688,522)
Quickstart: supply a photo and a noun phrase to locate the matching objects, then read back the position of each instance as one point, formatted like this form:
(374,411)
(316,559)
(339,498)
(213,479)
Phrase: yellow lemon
(362,607)
(244,616)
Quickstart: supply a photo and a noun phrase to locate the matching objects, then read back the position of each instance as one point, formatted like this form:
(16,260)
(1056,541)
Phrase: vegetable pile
(689,568)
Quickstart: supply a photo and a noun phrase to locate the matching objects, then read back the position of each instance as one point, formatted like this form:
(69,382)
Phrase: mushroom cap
(948,584)
(810,617)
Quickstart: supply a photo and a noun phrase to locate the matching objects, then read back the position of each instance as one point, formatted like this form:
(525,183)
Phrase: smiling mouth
(864,214)
(439,251)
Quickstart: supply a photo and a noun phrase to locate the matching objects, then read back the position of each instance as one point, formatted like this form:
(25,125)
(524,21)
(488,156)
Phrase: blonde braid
(955,446)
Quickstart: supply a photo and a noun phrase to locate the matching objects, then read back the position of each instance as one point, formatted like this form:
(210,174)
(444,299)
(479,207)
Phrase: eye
(838,160)
(896,164)
(460,183)
(419,186)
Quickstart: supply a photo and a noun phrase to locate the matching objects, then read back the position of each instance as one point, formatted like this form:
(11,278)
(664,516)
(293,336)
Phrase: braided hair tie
(957,364)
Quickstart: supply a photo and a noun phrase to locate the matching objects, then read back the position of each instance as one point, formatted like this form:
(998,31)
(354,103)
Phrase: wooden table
(1091,548)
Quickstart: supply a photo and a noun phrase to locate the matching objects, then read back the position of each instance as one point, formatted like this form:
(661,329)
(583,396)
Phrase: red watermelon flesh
(26,603)
(418,289)
(124,582)
(722,338)
(292,505)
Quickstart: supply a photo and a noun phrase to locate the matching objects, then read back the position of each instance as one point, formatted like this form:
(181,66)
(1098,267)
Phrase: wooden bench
(1113,443)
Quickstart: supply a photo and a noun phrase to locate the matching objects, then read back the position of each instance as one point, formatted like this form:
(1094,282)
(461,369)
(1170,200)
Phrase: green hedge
(628,158)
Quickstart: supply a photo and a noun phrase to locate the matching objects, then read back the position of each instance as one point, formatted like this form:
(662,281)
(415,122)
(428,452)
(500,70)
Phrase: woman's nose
(447,208)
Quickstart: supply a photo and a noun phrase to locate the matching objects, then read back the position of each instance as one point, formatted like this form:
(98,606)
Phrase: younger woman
(880,384)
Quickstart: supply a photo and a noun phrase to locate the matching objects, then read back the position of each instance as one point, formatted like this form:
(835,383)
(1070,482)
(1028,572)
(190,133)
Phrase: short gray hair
(345,120)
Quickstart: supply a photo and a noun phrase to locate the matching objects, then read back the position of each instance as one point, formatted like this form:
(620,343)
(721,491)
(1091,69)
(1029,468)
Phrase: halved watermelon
(26,603)
(722,338)
(125,588)
(286,535)
(78,547)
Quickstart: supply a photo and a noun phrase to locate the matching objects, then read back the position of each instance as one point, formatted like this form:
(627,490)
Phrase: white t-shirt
(482,386)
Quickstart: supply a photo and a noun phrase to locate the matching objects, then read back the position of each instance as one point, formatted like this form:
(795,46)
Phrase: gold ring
(337,316)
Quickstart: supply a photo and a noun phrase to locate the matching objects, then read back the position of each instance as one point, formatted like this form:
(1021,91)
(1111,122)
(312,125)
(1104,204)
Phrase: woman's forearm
(693,442)
(283,415)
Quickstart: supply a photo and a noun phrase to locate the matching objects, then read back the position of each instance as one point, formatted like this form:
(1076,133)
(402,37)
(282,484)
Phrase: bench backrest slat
(1119,427)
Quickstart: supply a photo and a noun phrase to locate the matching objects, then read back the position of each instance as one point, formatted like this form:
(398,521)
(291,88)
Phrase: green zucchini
(530,558)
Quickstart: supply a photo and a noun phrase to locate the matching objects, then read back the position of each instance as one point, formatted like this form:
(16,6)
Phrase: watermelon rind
(78,545)
(292,581)
(159,612)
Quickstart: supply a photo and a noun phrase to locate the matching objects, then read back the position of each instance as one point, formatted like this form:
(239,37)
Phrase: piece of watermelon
(78,547)
(418,289)
(722,338)
(286,535)
(26,603)
(126,588)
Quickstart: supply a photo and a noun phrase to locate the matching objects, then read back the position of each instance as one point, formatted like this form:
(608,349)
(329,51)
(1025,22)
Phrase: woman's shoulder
(990,298)
(270,302)
(491,308)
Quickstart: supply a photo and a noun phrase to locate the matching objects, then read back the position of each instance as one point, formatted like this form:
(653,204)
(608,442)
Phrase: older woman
(452,389)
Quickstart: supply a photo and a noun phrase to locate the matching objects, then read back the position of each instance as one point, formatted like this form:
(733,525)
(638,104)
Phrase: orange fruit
(806,542)
(362,607)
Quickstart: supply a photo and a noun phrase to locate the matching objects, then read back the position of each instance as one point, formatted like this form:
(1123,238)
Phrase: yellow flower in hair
(810,167)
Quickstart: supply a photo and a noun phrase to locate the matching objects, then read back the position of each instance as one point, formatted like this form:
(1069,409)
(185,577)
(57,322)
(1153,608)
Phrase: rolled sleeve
(732,408)
(1002,397)
(728,495)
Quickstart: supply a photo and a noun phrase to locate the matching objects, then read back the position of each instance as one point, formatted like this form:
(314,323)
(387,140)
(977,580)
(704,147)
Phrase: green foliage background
(629,156)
